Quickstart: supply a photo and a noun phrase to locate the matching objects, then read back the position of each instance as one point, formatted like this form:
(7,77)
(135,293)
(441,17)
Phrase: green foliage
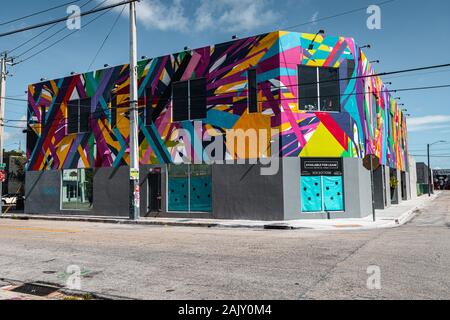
(393,183)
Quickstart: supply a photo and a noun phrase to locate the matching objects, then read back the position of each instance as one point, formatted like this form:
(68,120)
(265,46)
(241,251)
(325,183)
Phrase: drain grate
(35,290)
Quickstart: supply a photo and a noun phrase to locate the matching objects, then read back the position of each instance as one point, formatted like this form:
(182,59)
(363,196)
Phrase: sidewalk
(394,216)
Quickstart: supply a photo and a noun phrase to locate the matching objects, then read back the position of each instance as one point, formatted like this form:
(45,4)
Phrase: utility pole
(134,138)
(4,61)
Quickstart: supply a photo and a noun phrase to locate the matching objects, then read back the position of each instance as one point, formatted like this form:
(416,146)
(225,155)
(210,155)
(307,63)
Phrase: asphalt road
(197,263)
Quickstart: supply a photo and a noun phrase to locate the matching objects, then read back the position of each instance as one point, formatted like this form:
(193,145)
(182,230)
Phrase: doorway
(154,193)
(403,186)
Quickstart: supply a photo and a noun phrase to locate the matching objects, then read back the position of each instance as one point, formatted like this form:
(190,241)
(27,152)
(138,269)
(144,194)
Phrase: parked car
(9,199)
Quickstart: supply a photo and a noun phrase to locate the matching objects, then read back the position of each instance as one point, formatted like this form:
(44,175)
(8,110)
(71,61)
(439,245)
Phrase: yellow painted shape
(255,122)
(83,156)
(322,144)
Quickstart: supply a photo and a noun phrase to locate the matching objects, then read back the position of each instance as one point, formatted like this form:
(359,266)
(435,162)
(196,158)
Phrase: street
(146,262)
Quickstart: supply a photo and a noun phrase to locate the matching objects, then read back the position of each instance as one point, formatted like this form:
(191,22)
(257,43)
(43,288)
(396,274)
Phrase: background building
(315,96)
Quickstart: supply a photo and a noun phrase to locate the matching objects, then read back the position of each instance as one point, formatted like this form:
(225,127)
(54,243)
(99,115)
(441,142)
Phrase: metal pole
(134,138)
(429,170)
(2,113)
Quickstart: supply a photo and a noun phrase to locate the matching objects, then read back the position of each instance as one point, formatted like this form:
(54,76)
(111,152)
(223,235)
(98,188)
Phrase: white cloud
(428,123)
(168,16)
(222,15)
(234,15)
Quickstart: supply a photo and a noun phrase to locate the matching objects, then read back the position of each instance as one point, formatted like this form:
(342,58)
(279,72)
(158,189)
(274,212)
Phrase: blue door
(333,194)
(311,194)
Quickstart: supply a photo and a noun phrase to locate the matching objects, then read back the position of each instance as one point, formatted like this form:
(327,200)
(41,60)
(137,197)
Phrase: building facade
(311,105)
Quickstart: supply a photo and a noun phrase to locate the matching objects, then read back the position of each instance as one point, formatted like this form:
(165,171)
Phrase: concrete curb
(396,222)
(412,213)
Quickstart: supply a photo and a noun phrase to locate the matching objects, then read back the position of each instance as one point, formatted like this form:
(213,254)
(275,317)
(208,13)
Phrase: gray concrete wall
(111,189)
(413,177)
(241,192)
(110,193)
(42,192)
(291,188)
(357,192)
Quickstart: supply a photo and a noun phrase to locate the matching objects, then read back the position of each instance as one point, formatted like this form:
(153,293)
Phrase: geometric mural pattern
(365,125)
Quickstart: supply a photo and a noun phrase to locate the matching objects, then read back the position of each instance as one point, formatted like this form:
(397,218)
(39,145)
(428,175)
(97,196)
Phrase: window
(252,91)
(319,89)
(77,189)
(78,116)
(197,106)
(189,188)
(189,100)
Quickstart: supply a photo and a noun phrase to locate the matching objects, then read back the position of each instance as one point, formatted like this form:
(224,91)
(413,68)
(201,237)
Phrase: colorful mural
(362,127)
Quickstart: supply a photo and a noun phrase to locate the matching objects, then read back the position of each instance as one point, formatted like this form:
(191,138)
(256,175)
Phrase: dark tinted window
(85,111)
(330,94)
(198,99)
(307,88)
(252,91)
(180,92)
(148,106)
(72,116)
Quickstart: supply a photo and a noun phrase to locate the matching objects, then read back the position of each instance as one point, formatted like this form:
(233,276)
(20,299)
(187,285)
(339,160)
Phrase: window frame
(317,84)
(78,170)
(189,100)
(71,104)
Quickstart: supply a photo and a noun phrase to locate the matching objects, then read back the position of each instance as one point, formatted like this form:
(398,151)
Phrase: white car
(9,199)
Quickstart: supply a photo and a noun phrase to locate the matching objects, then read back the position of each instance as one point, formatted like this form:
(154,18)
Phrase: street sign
(2,176)
(134,174)
(371,162)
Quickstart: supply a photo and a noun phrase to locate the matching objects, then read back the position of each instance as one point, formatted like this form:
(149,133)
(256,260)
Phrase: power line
(335,15)
(63,38)
(100,112)
(326,81)
(38,13)
(41,33)
(65,18)
(286,99)
(106,38)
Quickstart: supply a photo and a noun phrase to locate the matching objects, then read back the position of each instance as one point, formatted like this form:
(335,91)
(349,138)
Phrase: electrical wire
(63,38)
(167,100)
(106,38)
(336,15)
(38,13)
(40,25)
(44,31)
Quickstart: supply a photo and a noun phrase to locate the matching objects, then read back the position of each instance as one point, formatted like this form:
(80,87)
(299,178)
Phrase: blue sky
(413,34)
